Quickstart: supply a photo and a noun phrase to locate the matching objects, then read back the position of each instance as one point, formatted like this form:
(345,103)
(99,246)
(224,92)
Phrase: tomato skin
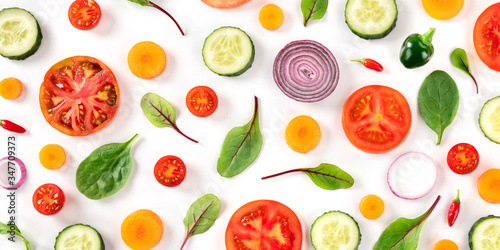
(376,119)
(170,171)
(84,14)
(487,38)
(271,215)
(201,101)
(48,199)
(463,158)
(224,4)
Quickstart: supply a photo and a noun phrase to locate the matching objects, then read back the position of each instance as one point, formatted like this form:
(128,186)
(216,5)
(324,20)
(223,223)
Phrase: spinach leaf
(5,229)
(201,216)
(241,147)
(403,233)
(326,176)
(460,60)
(105,171)
(438,100)
(313,9)
(160,113)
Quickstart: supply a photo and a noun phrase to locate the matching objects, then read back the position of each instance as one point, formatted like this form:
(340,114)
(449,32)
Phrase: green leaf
(438,101)
(160,113)
(5,229)
(313,9)
(241,147)
(403,234)
(460,60)
(142,2)
(201,215)
(326,176)
(105,171)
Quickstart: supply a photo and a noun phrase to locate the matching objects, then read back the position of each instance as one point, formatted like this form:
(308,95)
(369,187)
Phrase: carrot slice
(147,60)
(371,207)
(488,186)
(271,17)
(52,156)
(142,229)
(11,88)
(224,4)
(302,134)
(445,245)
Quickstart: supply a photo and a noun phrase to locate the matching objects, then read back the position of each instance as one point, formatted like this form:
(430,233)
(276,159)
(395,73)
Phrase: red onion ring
(21,177)
(306,71)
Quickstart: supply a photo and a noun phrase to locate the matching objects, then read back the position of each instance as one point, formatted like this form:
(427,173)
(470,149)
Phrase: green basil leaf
(201,215)
(460,60)
(160,113)
(105,171)
(403,234)
(241,147)
(313,9)
(328,176)
(438,101)
(142,2)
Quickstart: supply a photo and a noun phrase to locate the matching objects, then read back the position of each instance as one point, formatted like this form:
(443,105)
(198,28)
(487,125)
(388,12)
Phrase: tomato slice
(48,199)
(224,4)
(264,225)
(463,158)
(84,14)
(487,36)
(79,96)
(170,171)
(376,119)
(201,101)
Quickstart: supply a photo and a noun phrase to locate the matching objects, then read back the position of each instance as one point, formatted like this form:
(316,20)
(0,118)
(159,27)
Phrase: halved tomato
(463,158)
(201,101)
(376,119)
(84,14)
(79,96)
(487,36)
(264,225)
(170,171)
(48,199)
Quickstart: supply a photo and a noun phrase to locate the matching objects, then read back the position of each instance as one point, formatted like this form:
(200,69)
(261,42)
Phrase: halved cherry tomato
(487,36)
(463,158)
(264,225)
(376,119)
(201,101)
(170,171)
(84,14)
(48,199)
(79,96)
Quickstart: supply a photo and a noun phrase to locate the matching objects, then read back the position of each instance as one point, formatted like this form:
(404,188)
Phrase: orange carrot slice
(11,88)
(271,17)
(488,186)
(142,229)
(371,207)
(147,60)
(52,156)
(445,245)
(302,134)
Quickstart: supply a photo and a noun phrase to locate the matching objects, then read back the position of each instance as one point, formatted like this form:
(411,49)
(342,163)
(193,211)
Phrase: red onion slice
(20,171)
(306,71)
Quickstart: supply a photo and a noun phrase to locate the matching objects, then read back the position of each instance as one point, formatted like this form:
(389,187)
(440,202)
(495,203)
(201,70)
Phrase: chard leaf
(142,2)
(460,60)
(438,101)
(313,9)
(403,233)
(160,113)
(106,170)
(241,147)
(201,215)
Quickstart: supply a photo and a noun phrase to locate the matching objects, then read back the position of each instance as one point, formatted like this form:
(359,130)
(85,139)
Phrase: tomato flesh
(487,36)
(79,96)
(201,101)
(463,158)
(264,225)
(84,14)
(170,171)
(376,119)
(48,199)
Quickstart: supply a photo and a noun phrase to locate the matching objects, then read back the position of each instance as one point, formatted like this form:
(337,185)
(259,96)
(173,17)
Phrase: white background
(123,24)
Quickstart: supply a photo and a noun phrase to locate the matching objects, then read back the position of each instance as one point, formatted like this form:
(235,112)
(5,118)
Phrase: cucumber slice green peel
(489,119)
(485,234)
(20,34)
(79,236)
(371,19)
(335,230)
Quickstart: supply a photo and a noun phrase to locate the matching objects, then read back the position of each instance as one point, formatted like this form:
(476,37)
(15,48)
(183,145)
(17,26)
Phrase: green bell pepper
(417,49)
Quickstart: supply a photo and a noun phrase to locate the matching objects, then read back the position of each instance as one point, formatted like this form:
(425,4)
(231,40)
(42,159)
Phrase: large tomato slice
(487,36)
(79,96)
(264,225)
(376,119)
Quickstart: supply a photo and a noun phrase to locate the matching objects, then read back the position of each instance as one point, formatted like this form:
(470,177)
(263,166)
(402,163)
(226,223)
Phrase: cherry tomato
(463,158)
(201,101)
(487,38)
(84,14)
(170,171)
(376,119)
(79,96)
(48,199)
(263,225)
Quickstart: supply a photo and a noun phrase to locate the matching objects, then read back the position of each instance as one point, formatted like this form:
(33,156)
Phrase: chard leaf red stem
(171,123)
(168,14)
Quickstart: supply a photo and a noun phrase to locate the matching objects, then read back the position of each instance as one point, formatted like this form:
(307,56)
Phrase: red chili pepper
(8,125)
(454,210)
(370,63)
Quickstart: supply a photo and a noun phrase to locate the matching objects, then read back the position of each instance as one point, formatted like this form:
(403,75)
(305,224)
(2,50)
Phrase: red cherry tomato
(463,158)
(201,101)
(48,199)
(170,171)
(84,14)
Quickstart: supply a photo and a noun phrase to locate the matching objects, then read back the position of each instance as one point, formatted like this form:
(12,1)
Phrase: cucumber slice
(79,237)
(20,34)
(489,119)
(228,51)
(371,19)
(335,230)
(485,234)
